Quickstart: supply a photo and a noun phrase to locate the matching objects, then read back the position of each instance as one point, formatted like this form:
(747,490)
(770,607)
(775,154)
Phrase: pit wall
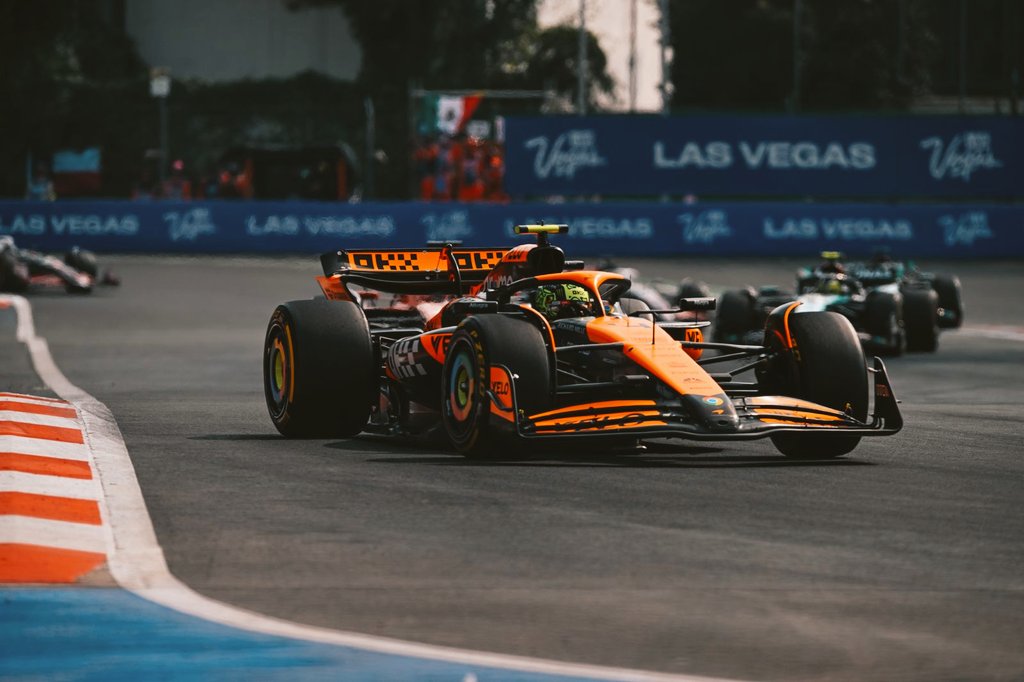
(947,231)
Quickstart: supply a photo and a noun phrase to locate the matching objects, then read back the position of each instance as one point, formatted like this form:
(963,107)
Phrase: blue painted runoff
(110,634)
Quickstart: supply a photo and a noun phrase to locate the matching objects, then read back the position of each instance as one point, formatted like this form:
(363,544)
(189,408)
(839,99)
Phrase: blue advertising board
(765,156)
(596,229)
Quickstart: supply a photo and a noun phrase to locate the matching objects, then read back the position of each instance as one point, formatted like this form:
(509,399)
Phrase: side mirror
(696,304)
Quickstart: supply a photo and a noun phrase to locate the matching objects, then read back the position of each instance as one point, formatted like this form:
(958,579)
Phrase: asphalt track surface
(901,561)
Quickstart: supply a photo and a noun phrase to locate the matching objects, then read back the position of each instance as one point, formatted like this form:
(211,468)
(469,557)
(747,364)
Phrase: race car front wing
(755,417)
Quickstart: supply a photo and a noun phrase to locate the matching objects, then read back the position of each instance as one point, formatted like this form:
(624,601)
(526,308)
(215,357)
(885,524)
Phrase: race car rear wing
(444,269)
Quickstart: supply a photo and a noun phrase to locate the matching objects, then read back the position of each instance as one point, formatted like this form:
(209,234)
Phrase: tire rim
(461,390)
(278,372)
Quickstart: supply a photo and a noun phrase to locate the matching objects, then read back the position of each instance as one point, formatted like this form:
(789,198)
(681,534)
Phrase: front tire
(479,344)
(883,318)
(14,275)
(692,288)
(827,367)
(319,371)
(951,301)
(734,316)
(921,320)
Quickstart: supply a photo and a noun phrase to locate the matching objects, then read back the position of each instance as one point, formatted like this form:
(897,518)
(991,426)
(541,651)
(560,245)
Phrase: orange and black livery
(500,347)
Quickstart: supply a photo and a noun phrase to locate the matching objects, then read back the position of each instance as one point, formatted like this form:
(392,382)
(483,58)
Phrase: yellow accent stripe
(785,323)
(540,229)
(606,405)
(291,364)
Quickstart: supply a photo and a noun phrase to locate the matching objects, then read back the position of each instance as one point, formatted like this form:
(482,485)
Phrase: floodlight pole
(371,144)
(163,139)
(664,87)
(794,104)
(160,88)
(632,55)
(962,71)
(581,62)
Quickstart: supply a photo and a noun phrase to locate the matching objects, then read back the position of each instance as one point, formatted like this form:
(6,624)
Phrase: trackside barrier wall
(878,157)
(622,229)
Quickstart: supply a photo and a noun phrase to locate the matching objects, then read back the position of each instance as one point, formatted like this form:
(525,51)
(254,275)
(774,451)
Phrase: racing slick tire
(692,288)
(951,301)
(320,375)
(883,318)
(734,316)
(921,320)
(14,275)
(829,369)
(83,261)
(479,343)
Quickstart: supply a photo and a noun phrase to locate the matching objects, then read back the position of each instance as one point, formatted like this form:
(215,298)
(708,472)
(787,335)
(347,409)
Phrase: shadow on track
(652,455)
(729,462)
(239,436)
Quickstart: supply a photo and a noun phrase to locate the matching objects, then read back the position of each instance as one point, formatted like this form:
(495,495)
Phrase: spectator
(461,168)
(145,187)
(471,187)
(209,184)
(40,186)
(177,186)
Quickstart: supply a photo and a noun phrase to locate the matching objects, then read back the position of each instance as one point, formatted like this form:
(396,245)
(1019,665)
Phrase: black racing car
(78,271)
(892,305)
(658,294)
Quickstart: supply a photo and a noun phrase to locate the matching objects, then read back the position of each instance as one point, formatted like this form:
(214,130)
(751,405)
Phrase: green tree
(730,54)
(457,44)
(866,54)
(72,80)
(550,62)
(854,54)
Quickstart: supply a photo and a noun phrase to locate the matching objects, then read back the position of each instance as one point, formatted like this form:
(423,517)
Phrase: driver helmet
(834,285)
(833,262)
(881,255)
(551,299)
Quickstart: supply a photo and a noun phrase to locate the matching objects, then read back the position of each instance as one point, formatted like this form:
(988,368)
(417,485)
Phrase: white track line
(41,484)
(1001,332)
(137,562)
(28,530)
(44,448)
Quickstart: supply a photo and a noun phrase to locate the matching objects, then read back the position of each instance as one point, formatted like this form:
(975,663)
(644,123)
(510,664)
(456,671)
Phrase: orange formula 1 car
(502,347)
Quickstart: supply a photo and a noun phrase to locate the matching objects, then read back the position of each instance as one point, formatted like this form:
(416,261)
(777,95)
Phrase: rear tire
(734,316)
(921,320)
(319,373)
(14,275)
(691,288)
(950,293)
(828,368)
(478,344)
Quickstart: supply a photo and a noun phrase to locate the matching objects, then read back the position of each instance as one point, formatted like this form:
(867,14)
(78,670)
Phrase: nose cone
(714,412)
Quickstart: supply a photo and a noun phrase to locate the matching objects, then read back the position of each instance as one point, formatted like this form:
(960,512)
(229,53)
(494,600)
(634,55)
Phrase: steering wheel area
(569,309)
